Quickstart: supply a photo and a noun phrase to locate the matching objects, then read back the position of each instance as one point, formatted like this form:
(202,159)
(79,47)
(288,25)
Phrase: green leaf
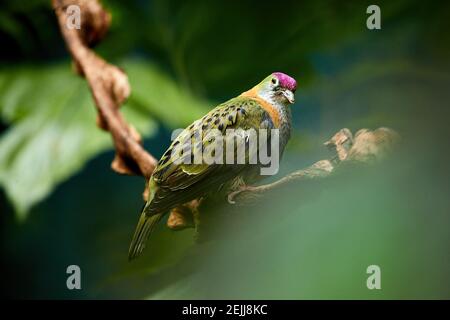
(155,91)
(52,131)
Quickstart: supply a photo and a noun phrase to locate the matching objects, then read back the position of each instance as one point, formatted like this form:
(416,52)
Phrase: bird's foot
(184,216)
(233,195)
(180,218)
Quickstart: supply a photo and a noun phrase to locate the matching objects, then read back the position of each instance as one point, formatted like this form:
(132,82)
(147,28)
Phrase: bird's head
(277,88)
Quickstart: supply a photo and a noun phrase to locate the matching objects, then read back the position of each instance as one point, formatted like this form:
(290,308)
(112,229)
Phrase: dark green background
(313,240)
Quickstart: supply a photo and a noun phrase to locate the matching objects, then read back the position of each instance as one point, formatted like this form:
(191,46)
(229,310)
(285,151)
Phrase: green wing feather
(177,182)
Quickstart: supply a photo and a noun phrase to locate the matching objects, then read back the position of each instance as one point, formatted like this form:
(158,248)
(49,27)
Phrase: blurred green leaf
(155,91)
(52,131)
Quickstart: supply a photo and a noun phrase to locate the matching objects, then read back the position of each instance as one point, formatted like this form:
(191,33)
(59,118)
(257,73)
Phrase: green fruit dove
(179,177)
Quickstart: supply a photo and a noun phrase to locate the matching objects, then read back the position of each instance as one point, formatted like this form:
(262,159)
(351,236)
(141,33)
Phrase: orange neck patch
(270,109)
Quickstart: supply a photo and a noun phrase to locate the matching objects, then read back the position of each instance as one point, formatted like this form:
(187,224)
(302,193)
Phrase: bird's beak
(289,95)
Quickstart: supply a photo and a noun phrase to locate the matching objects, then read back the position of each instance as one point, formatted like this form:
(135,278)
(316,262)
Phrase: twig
(108,84)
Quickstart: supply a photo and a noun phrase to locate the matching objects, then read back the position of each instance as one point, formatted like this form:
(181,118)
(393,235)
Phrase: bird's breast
(270,108)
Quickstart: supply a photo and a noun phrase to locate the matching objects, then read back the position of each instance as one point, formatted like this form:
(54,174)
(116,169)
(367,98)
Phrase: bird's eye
(275,81)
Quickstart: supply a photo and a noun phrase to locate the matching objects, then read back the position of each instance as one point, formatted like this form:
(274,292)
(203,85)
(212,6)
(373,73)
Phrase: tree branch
(366,147)
(108,84)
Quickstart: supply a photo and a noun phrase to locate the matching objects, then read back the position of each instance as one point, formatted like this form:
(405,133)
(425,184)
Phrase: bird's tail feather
(144,228)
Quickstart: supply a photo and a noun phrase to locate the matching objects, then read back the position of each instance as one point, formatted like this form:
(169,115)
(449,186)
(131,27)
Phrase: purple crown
(286,81)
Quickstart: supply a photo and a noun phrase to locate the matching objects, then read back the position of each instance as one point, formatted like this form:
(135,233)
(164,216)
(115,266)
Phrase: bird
(174,183)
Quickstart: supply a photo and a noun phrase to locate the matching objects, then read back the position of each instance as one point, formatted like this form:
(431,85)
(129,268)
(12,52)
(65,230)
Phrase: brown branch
(366,147)
(108,84)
